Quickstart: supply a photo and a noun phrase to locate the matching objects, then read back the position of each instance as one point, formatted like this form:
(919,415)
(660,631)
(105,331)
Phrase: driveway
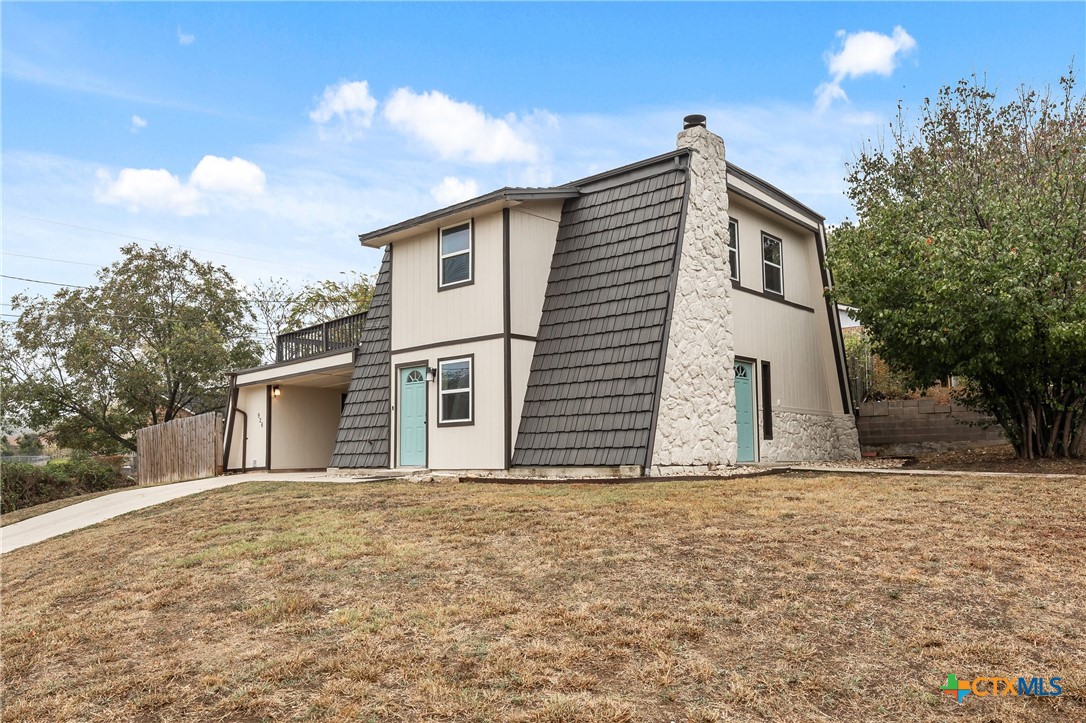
(91,512)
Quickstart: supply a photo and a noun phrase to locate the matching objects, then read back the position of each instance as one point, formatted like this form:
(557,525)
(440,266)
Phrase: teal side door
(744,410)
(412,414)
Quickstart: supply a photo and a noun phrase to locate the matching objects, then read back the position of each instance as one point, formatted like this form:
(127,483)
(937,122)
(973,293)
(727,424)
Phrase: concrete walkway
(91,512)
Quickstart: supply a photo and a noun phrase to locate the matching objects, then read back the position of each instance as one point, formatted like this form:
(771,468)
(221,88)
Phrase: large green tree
(279,308)
(969,255)
(153,337)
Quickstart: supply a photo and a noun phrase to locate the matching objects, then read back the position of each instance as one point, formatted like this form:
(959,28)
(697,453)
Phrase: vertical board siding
(180,450)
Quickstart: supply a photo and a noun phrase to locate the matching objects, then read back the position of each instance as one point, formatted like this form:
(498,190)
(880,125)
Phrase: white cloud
(862,53)
(350,102)
(138,123)
(458,130)
(214,178)
(185,38)
(149,188)
(453,190)
(236,175)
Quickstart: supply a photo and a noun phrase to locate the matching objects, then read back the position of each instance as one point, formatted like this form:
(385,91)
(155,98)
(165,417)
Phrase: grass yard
(790,597)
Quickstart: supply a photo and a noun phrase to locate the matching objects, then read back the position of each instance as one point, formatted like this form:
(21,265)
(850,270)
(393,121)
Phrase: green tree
(153,337)
(271,299)
(330,299)
(29,443)
(279,308)
(969,256)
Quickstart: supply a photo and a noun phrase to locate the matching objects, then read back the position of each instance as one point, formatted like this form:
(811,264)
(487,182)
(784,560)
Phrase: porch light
(431,374)
(276,391)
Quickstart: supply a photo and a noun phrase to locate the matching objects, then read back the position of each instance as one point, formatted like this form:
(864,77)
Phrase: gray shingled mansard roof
(363,437)
(592,389)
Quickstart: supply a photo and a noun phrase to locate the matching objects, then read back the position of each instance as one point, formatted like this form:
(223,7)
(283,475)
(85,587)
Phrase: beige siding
(796,342)
(304,424)
(253,436)
(423,315)
(532,233)
(797,246)
(765,198)
(791,340)
(477,446)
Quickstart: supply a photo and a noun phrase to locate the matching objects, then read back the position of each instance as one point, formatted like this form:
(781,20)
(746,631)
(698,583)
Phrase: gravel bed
(865,463)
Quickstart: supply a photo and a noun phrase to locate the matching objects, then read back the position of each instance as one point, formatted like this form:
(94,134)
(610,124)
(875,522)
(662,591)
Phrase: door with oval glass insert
(744,411)
(412,413)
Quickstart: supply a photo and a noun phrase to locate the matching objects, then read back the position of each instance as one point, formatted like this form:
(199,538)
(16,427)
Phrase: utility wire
(43,258)
(75,286)
(39,281)
(153,241)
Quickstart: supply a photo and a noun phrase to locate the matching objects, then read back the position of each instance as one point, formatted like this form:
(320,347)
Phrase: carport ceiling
(325,379)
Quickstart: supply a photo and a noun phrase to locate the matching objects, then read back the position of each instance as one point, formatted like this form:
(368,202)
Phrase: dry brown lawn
(790,597)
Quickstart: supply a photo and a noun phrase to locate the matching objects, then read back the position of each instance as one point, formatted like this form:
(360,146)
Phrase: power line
(43,258)
(76,286)
(39,281)
(153,241)
(124,317)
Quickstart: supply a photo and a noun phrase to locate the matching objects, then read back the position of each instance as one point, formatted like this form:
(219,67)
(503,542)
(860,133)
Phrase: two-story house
(668,315)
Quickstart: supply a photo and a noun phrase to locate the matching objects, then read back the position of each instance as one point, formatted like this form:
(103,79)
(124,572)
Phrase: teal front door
(744,410)
(412,437)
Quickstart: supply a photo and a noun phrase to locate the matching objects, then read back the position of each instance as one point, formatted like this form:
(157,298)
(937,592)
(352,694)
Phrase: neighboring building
(667,315)
(847,317)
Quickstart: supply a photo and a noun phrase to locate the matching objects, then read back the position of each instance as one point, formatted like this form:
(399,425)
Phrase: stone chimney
(695,428)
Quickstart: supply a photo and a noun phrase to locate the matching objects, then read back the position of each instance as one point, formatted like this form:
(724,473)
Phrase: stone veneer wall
(695,427)
(809,437)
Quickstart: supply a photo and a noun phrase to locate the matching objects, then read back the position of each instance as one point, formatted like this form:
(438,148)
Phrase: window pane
(455,268)
(455,375)
(456,407)
(733,261)
(733,234)
(771,250)
(773,279)
(455,239)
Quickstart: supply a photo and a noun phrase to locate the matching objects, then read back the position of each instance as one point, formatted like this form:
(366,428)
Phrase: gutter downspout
(836,335)
(231,407)
(232,412)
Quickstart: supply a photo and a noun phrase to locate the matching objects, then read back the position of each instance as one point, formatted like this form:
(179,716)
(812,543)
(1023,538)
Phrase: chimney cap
(692,121)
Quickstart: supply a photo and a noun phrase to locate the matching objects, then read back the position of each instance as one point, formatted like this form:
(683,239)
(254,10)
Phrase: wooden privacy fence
(183,449)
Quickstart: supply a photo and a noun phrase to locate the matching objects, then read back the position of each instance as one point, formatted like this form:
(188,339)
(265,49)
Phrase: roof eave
(775,193)
(493,201)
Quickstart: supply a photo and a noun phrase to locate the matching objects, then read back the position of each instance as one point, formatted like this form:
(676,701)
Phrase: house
(668,315)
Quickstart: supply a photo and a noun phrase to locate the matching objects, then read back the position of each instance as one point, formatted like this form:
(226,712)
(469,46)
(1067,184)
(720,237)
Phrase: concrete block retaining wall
(916,426)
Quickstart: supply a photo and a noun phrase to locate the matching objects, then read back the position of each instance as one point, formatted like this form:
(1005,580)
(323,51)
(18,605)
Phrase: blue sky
(267,136)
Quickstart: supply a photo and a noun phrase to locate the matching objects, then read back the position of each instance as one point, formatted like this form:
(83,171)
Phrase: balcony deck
(342,333)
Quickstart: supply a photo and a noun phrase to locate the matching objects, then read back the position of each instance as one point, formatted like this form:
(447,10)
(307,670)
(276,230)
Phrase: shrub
(25,485)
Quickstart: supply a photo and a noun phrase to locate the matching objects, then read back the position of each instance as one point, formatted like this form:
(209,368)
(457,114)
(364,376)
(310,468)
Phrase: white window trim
(733,271)
(767,262)
(466,252)
(469,389)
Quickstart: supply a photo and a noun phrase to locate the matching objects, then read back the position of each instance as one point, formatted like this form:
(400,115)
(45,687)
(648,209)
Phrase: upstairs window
(733,248)
(454,399)
(455,262)
(772,265)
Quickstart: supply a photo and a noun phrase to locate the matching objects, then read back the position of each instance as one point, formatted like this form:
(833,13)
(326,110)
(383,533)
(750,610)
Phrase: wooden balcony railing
(342,333)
